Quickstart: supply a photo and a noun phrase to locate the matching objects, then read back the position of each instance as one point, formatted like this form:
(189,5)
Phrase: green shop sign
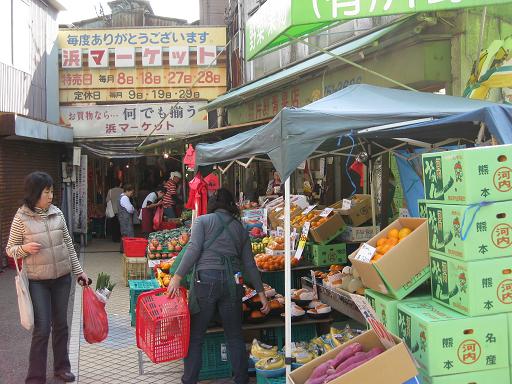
(278,22)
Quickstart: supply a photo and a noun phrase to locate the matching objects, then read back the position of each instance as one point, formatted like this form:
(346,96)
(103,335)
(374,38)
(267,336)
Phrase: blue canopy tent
(373,118)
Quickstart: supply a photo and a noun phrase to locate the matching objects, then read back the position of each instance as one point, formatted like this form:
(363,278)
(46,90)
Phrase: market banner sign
(142,37)
(135,94)
(143,78)
(278,22)
(179,119)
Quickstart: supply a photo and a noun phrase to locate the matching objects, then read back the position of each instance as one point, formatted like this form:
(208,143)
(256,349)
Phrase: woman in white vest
(40,236)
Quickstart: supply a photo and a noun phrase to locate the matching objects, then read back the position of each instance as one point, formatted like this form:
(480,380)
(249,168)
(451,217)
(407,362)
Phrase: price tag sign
(264,219)
(302,240)
(326,212)
(264,203)
(365,253)
(371,318)
(315,287)
(309,209)
(346,204)
(153,262)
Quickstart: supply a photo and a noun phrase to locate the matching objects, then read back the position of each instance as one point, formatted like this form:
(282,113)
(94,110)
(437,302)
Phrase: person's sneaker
(67,377)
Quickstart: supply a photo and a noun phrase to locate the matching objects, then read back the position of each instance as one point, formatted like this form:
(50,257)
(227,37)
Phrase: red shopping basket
(163,325)
(135,246)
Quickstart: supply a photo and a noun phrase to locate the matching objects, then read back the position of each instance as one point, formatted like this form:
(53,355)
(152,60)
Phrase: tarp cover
(295,133)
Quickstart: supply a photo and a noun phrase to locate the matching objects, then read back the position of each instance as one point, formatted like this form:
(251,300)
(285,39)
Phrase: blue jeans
(213,295)
(50,301)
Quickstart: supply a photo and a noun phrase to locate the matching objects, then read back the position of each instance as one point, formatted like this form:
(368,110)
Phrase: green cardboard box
(445,342)
(473,288)
(490,376)
(386,307)
(468,232)
(469,176)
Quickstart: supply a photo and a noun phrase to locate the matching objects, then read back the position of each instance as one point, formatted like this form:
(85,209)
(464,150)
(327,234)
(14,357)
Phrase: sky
(84,9)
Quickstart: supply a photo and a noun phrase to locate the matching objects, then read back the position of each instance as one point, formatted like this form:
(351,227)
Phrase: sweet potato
(319,372)
(370,355)
(346,353)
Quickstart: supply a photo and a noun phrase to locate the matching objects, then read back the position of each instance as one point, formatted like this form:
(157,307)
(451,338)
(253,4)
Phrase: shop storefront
(28,145)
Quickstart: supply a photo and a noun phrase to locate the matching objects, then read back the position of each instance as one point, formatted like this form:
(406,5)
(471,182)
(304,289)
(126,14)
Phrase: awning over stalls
(17,126)
(112,148)
(296,133)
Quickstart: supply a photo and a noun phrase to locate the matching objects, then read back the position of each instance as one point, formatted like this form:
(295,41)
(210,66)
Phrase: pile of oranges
(272,263)
(393,237)
(300,220)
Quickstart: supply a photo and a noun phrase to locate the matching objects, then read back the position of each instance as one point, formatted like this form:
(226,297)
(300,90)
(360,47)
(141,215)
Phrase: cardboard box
(470,233)
(322,255)
(492,376)
(405,267)
(359,234)
(386,307)
(445,342)
(469,176)
(393,366)
(473,288)
(360,212)
(329,230)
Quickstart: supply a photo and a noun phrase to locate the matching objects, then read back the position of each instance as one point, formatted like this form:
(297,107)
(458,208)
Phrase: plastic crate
(323,255)
(274,380)
(135,246)
(300,332)
(215,362)
(136,288)
(135,268)
(163,325)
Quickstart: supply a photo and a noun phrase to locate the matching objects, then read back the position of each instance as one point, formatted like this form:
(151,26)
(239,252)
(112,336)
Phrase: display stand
(337,300)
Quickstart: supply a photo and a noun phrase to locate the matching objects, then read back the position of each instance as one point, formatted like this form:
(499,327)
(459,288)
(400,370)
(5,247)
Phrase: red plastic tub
(135,246)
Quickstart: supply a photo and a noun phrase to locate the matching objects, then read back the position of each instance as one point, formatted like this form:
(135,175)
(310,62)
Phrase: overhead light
(127,165)
(166,155)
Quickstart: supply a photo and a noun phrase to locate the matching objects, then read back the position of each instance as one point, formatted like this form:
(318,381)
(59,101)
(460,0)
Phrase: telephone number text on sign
(142,78)
(136,94)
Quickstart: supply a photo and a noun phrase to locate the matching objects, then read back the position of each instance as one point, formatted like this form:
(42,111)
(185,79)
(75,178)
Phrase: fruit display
(348,359)
(162,277)
(249,205)
(301,219)
(343,278)
(268,263)
(262,351)
(391,239)
(167,244)
(258,245)
(270,363)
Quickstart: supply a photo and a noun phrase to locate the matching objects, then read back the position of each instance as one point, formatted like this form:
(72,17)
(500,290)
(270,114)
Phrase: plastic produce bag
(95,317)
(158,218)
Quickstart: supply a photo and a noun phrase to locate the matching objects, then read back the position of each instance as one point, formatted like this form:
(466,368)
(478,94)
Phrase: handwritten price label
(369,314)
(308,209)
(346,204)
(326,212)
(302,240)
(365,253)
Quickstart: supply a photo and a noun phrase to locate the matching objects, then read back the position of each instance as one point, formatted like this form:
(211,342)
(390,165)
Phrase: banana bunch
(262,351)
(258,248)
(270,363)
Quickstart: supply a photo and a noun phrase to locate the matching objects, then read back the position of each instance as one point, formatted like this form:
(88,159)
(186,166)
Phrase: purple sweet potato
(370,355)
(346,353)
(319,372)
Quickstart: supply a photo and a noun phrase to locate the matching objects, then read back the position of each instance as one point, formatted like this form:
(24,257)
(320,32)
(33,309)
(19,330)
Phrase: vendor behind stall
(171,197)
(153,200)
(275,186)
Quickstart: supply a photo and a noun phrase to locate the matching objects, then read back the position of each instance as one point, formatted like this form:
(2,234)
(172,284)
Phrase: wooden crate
(135,268)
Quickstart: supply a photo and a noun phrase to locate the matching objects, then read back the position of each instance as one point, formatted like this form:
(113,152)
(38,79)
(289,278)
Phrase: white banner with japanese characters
(183,118)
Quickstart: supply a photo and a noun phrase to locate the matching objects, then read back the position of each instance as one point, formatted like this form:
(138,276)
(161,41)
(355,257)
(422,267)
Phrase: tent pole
(371,182)
(287,277)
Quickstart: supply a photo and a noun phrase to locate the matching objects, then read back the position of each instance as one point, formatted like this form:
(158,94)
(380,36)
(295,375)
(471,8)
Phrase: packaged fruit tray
(267,263)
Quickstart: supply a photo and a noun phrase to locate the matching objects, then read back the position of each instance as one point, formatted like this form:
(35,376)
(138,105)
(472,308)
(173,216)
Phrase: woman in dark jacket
(219,249)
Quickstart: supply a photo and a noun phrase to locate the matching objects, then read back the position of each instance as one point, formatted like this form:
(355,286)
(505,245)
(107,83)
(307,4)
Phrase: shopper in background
(40,236)
(126,211)
(218,250)
(171,197)
(151,202)
(113,195)
(274,186)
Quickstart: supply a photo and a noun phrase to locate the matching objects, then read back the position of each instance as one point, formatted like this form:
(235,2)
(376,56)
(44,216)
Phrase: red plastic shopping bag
(95,317)
(158,218)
